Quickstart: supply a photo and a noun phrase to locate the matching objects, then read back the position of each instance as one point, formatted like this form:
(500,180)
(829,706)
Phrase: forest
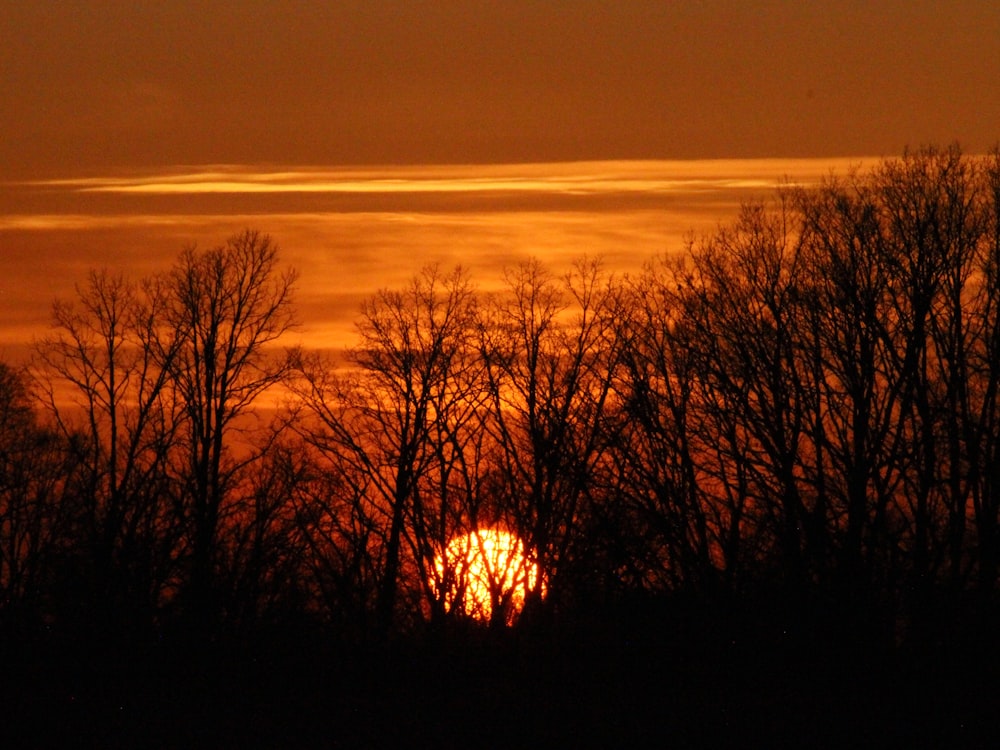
(757,486)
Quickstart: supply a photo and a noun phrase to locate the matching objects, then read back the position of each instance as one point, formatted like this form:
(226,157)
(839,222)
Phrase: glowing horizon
(353,230)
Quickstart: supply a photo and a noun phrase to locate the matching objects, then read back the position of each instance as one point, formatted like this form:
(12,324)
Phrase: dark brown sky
(93,86)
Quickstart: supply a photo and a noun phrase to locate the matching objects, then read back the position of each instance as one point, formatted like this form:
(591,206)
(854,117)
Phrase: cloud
(351,231)
(573,178)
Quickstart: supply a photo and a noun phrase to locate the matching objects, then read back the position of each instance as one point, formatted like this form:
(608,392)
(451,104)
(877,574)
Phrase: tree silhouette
(104,384)
(551,355)
(766,465)
(396,429)
(669,543)
(146,382)
(33,475)
(226,307)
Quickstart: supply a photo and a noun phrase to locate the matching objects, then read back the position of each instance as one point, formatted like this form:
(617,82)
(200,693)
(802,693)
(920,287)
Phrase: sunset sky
(371,137)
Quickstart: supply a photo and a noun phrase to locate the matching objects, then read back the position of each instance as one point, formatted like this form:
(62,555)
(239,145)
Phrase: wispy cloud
(376,229)
(570,178)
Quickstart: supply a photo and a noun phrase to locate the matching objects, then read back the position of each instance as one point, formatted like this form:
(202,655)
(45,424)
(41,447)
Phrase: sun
(486,571)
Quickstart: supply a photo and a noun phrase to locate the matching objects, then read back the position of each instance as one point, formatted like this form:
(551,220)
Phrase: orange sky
(586,126)
(351,231)
(93,84)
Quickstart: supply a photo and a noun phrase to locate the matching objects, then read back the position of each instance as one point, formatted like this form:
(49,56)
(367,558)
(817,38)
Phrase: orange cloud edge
(582,177)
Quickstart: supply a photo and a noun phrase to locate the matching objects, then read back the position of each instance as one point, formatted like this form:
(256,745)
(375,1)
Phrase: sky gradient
(95,85)
(351,231)
(369,138)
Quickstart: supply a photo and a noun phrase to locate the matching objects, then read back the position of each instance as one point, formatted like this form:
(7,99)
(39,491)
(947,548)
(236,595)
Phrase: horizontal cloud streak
(352,231)
(571,178)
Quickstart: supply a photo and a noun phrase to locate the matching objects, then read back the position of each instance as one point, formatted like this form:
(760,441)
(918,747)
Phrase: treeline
(800,408)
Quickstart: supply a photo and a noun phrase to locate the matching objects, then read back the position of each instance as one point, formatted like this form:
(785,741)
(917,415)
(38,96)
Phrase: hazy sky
(112,115)
(351,231)
(89,85)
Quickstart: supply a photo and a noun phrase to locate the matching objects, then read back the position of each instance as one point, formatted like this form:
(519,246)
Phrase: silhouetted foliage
(145,382)
(225,307)
(35,472)
(786,435)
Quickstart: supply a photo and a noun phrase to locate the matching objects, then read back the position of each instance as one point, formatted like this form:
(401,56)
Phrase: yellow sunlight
(484,570)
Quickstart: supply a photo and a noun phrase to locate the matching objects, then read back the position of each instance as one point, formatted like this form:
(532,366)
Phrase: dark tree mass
(760,481)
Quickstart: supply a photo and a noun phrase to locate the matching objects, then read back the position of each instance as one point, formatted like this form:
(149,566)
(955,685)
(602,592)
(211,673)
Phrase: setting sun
(484,570)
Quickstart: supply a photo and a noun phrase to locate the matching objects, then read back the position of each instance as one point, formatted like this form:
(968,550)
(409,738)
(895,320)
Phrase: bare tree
(984,427)
(669,544)
(34,468)
(551,357)
(342,536)
(397,426)
(743,308)
(265,557)
(106,389)
(228,307)
(849,352)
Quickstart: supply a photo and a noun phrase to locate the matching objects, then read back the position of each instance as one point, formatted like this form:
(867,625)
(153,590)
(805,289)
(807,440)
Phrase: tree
(33,470)
(105,386)
(855,388)
(982,429)
(226,309)
(742,305)
(551,357)
(397,428)
(668,543)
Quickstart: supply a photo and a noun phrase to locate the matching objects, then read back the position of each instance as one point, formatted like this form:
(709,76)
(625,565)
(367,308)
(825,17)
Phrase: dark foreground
(650,676)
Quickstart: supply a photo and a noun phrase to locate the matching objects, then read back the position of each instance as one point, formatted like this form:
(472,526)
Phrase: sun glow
(486,572)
